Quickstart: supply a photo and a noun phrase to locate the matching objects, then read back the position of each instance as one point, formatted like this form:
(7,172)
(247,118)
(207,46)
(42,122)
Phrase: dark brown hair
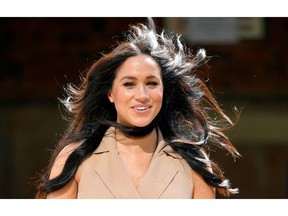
(184,118)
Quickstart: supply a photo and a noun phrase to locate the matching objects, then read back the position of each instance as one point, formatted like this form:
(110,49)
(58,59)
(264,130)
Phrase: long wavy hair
(187,117)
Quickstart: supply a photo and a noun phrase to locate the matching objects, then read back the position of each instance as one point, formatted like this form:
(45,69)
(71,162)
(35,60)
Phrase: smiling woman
(139,126)
(137,91)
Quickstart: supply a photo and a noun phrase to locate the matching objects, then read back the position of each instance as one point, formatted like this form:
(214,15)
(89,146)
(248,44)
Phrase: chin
(141,124)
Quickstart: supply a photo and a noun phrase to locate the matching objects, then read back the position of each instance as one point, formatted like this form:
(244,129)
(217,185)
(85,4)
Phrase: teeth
(141,108)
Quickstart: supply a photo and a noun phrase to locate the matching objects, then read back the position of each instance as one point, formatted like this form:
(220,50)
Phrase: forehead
(139,65)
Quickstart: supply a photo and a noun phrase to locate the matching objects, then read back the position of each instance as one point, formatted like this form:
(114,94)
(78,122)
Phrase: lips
(141,108)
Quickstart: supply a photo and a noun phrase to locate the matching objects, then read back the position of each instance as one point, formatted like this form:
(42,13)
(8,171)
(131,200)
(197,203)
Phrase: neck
(146,144)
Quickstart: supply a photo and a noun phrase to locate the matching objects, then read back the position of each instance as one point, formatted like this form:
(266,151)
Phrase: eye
(129,84)
(152,83)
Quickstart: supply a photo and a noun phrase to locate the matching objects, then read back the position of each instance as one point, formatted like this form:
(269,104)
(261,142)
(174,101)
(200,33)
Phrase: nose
(141,93)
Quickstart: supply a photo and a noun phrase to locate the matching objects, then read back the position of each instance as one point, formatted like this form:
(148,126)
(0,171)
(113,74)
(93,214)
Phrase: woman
(140,127)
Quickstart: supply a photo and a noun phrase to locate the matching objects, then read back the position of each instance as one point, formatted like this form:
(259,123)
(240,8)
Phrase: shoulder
(70,189)
(201,189)
(67,150)
(61,159)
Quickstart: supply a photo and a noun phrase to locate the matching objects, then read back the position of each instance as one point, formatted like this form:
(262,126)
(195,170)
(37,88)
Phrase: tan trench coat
(103,174)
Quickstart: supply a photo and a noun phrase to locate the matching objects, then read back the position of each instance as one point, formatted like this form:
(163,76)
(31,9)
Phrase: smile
(141,108)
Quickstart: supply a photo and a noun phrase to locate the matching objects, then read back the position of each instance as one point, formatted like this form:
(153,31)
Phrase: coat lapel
(111,170)
(160,173)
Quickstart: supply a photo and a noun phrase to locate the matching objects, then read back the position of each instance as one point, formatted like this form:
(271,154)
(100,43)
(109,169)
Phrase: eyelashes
(129,84)
(133,84)
(152,83)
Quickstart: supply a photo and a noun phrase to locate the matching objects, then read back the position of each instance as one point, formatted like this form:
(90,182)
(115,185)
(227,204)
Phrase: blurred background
(39,56)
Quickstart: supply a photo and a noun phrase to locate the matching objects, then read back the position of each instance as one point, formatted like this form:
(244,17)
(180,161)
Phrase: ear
(110,96)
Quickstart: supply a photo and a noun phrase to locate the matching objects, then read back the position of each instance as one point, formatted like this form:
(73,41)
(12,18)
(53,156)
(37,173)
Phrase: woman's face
(137,91)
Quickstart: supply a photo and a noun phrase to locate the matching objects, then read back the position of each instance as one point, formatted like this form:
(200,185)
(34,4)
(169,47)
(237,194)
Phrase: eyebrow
(134,78)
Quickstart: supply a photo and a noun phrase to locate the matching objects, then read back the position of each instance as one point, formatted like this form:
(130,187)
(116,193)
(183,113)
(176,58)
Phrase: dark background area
(39,56)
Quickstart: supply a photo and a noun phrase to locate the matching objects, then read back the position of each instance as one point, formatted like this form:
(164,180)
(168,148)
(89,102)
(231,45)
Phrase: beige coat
(104,176)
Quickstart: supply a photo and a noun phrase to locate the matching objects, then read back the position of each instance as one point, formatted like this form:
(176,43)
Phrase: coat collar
(114,175)
(109,144)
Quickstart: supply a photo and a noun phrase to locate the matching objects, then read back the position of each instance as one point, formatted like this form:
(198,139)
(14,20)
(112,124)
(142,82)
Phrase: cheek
(157,96)
(122,95)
